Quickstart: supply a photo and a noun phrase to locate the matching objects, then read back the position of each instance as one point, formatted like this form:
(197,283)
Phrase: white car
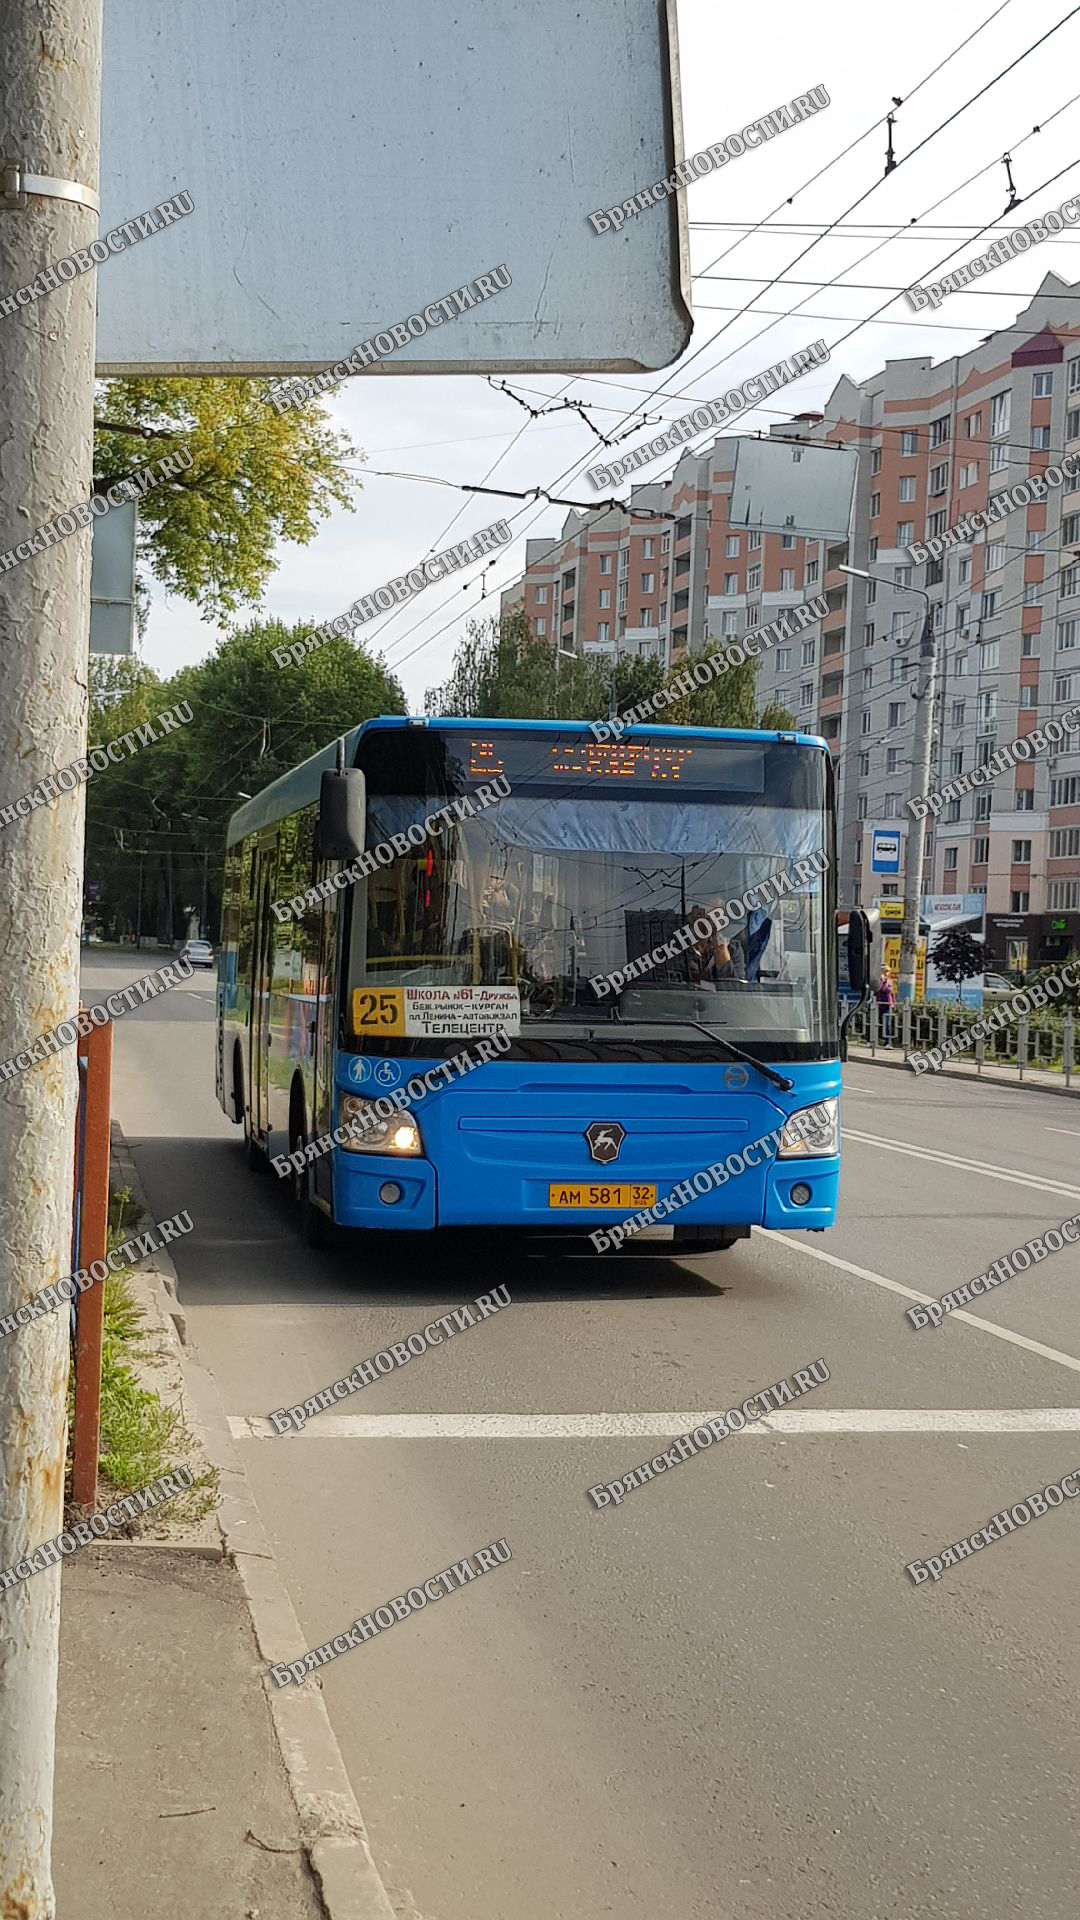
(199,952)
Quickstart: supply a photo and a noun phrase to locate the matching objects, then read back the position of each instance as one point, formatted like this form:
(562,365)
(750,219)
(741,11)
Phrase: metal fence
(1023,1046)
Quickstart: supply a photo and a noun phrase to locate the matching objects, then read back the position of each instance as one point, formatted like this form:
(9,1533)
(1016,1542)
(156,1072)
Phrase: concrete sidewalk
(171,1797)
(1037,1077)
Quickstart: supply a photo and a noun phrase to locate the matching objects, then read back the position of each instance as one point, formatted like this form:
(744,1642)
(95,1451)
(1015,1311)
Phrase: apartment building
(669,575)
(936,441)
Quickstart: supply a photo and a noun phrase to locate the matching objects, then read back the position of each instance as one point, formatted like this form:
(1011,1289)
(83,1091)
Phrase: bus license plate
(597,1194)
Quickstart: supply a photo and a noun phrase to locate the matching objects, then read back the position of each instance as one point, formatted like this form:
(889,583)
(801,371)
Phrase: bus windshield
(553,893)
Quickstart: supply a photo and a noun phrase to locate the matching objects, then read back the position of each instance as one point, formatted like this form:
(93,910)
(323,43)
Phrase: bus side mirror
(858,951)
(342,806)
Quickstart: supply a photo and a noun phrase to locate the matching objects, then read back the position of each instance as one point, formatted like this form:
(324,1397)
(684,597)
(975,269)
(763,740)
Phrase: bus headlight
(399,1134)
(812,1134)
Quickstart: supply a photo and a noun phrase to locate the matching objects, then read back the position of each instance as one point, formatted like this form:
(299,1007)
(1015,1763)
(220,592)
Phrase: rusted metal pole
(93,1245)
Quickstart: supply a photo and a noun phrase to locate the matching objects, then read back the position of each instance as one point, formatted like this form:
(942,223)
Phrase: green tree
(501,671)
(162,812)
(257,477)
(958,956)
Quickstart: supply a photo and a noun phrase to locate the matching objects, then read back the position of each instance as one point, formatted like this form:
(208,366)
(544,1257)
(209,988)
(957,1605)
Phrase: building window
(866,721)
(864,765)
(999,456)
(875,461)
(648,583)
(1065,843)
(787,579)
(809,649)
(969,474)
(787,541)
(1000,413)
(861,806)
(1018,902)
(890,807)
(973,425)
(541,596)
(980,851)
(901,622)
(1029,699)
(958,713)
(605,596)
(665,543)
(1072,424)
(663,611)
(896,713)
(995,555)
(1070,580)
(1065,792)
(729,625)
(871,592)
(754,543)
(1033,593)
(1064,896)
(1066,635)
(909,442)
(1024,800)
(989,609)
(806,694)
(905,489)
(902,576)
(1042,386)
(1021,853)
(935,527)
(939,477)
(605,563)
(867,679)
(939,430)
(963,571)
(646,617)
(541,628)
(951,859)
(731,547)
(753,580)
(952,812)
(647,549)
(624,559)
(868,634)
(1040,439)
(905,533)
(731,583)
(753,613)
(603,632)
(892,759)
(811,572)
(960,666)
(1029,646)
(871,550)
(956,760)
(1074,376)
(986,710)
(982,806)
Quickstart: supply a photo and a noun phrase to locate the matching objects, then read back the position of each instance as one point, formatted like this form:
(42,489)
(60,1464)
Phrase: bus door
(262,973)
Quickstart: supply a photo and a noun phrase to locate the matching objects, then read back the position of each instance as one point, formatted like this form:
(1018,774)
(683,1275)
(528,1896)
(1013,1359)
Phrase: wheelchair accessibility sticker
(384,1073)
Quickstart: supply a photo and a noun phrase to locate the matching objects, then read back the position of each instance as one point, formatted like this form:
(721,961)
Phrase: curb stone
(859,1056)
(332,1830)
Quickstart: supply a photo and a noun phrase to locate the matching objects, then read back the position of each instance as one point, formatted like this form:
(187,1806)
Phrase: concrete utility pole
(50,97)
(921,754)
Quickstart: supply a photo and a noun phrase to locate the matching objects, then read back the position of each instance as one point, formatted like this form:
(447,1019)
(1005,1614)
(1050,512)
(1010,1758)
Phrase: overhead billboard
(783,486)
(349,165)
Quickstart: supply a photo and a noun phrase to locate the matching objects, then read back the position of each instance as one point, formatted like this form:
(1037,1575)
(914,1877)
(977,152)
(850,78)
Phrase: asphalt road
(724,1697)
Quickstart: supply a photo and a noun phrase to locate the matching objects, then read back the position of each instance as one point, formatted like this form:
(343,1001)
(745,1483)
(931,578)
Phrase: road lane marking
(923,1299)
(1074,1131)
(987,1167)
(645,1426)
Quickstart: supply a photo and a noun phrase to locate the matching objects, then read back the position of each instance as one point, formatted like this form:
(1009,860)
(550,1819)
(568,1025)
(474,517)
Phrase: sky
(735,63)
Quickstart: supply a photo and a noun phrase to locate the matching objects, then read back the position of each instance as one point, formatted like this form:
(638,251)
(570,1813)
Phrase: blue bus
(494,974)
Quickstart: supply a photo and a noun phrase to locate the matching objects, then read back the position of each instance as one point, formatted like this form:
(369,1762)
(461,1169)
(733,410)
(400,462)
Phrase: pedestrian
(886,999)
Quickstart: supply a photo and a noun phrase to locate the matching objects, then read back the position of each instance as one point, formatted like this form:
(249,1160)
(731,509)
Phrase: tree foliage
(501,671)
(257,477)
(164,809)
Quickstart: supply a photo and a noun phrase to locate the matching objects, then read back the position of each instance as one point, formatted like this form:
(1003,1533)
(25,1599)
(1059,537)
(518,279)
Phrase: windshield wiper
(734,1052)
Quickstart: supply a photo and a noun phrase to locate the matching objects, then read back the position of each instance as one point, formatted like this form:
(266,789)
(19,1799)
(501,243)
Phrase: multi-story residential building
(936,442)
(671,574)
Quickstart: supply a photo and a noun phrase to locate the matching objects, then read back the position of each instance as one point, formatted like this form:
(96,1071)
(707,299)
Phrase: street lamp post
(920,781)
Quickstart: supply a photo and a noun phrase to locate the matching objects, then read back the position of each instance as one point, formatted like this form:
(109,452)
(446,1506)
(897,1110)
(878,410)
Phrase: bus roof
(300,786)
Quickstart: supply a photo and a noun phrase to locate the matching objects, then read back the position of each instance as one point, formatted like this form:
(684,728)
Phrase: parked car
(199,952)
(996,986)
